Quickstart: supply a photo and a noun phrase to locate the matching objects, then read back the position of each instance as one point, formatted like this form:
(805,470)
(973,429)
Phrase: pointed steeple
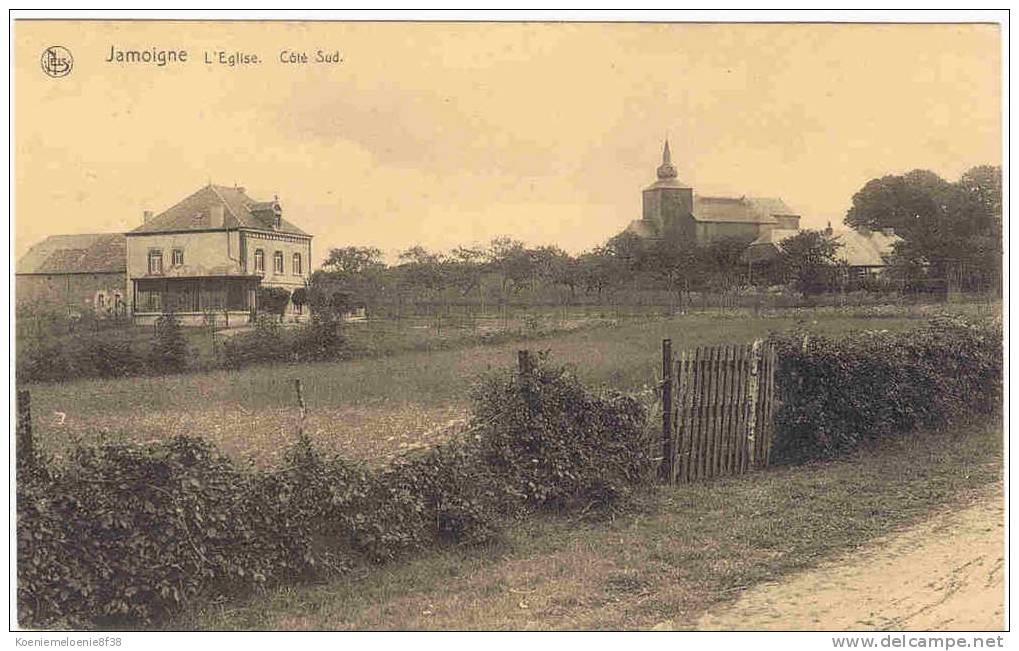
(666,170)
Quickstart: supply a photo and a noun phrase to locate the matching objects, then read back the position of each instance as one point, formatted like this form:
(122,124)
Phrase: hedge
(125,534)
(107,355)
(838,393)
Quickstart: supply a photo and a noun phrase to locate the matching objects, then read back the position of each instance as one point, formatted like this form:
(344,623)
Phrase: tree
(169,351)
(808,259)
(943,225)
(359,270)
(421,269)
(513,261)
(719,263)
(596,270)
(273,300)
(299,297)
(465,267)
(353,261)
(672,261)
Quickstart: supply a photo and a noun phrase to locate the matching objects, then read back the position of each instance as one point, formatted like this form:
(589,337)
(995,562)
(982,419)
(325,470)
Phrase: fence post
(755,378)
(524,364)
(25,447)
(302,406)
(668,458)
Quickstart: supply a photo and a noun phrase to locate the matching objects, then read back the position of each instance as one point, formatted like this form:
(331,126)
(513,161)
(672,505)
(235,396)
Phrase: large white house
(209,254)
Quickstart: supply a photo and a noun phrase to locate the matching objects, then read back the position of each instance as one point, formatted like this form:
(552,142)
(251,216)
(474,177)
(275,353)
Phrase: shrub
(95,355)
(838,393)
(263,344)
(319,340)
(42,362)
(554,443)
(273,300)
(101,357)
(169,352)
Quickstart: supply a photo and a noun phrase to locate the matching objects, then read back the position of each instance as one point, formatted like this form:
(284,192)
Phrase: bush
(838,393)
(273,300)
(554,443)
(264,344)
(96,355)
(127,534)
(99,357)
(42,362)
(169,352)
(319,340)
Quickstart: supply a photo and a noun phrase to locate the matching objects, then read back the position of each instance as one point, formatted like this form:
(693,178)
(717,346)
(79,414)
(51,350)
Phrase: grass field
(684,550)
(372,408)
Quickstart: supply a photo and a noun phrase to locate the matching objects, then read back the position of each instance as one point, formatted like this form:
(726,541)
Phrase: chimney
(146,216)
(828,231)
(216,216)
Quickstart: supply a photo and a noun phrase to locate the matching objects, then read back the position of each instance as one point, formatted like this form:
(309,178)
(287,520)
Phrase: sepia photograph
(509,322)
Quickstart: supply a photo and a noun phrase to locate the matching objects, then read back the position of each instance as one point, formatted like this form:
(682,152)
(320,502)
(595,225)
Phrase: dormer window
(277,215)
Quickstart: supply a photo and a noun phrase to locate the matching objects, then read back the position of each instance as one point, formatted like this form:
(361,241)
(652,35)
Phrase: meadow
(412,386)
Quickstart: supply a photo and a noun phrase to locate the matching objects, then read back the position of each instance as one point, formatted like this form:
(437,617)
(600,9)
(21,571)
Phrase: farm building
(863,252)
(209,254)
(671,209)
(74,274)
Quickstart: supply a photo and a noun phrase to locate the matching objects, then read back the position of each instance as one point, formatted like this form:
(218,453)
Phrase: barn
(74,274)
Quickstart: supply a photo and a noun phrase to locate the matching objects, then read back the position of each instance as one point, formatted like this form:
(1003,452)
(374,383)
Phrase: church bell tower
(668,203)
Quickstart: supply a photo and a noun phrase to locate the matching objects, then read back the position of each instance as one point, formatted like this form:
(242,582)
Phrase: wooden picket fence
(717,410)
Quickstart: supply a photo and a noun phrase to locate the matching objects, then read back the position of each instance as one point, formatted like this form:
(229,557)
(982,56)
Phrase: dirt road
(944,574)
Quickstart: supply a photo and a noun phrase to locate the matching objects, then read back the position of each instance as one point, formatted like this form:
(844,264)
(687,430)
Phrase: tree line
(943,226)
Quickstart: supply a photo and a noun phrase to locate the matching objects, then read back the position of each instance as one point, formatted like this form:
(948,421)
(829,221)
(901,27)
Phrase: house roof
(195,213)
(752,210)
(87,253)
(768,245)
(774,236)
(864,250)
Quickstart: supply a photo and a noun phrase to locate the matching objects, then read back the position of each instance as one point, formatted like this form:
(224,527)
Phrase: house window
(155,262)
(297,264)
(178,257)
(277,262)
(259,261)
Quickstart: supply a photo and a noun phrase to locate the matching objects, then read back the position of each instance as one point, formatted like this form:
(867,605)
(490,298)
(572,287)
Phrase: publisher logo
(57,61)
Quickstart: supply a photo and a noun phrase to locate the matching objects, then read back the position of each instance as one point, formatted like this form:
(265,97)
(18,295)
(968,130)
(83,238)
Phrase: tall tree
(942,225)
(808,259)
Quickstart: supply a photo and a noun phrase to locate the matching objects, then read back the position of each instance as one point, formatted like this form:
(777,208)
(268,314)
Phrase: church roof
(194,213)
(85,253)
(751,210)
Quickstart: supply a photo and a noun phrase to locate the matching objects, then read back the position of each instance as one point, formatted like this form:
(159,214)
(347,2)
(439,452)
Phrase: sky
(447,134)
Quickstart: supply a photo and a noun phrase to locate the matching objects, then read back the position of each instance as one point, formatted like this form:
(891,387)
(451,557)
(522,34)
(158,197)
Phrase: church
(673,211)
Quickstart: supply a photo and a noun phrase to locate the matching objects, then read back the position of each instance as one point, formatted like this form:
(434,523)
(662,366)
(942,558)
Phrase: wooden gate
(717,410)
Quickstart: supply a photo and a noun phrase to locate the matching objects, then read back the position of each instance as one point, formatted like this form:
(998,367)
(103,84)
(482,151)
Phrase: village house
(864,253)
(73,275)
(207,256)
(672,210)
